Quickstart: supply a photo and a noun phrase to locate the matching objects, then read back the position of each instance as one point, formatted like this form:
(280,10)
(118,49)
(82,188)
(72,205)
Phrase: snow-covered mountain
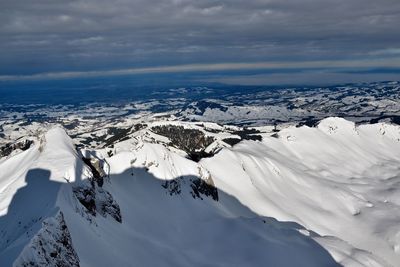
(173,193)
(236,105)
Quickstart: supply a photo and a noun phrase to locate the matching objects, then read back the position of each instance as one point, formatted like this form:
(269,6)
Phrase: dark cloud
(81,35)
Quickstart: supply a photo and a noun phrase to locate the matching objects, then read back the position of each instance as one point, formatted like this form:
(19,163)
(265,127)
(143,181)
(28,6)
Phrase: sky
(227,41)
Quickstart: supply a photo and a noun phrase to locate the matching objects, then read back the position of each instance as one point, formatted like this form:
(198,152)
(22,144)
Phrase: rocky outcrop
(87,197)
(97,200)
(106,205)
(173,186)
(110,137)
(7,149)
(198,188)
(192,141)
(91,194)
(52,246)
(204,186)
(96,167)
(244,134)
(201,187)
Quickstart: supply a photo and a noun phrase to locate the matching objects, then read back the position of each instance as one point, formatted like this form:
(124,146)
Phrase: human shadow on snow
(30,205)
(190,223)
(178,214)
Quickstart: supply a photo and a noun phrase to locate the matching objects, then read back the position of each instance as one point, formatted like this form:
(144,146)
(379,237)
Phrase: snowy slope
(164,225)
(304,197)
(336,180)
(29,184)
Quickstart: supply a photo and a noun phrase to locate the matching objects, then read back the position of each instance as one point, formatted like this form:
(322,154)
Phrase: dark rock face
(232,141)
(93,197)
(121,134)
(96,200)
(52,246)
(198,155)
(7,149)
(96,167)
(275,135)
(173,187)
(118,134)
(192,141)
(201,187)
(86,196)
(105,204)
(198,188)
(244,134)
(310,122)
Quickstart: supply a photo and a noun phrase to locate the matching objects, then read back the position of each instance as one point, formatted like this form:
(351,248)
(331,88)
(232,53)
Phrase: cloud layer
(42,36)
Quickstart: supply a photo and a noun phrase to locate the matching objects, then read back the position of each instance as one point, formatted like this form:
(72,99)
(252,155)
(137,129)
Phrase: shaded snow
(307,197)
(337,180)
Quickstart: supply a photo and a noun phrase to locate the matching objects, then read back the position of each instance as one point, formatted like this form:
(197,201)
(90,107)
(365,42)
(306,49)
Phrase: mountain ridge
(255,186)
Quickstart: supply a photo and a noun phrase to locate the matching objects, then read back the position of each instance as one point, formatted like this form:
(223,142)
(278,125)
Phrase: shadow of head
(37,176)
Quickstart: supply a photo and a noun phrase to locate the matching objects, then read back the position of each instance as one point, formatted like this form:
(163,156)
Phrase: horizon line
(212,67)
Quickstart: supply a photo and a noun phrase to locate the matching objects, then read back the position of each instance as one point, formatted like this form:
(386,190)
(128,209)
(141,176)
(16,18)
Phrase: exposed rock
(105,204)
(275,135)
(96,200)
(232,141)
(110,137)
(198,187)
(96,166)
(198,155)
(42,143)
(192,141)
(52,246)
(173,186)
(244,134)
(7,149)
(310,122)
(201,187)
(86,196)
(118,135)
(121,134)
(204,185)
